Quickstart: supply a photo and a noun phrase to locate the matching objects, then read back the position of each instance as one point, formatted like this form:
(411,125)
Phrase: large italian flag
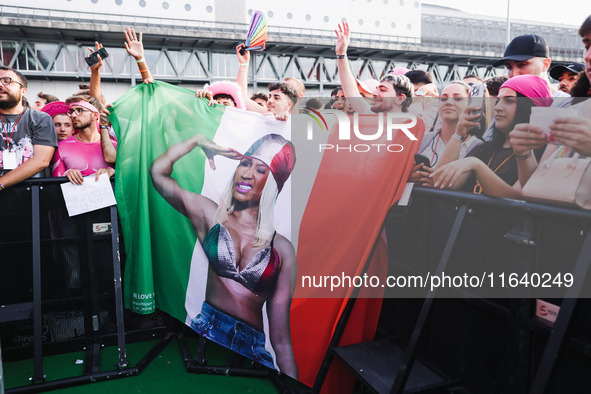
(337,211)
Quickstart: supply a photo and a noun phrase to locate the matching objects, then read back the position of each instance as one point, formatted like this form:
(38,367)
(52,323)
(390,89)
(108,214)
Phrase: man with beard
(566,75)
(28,136)
(82,154)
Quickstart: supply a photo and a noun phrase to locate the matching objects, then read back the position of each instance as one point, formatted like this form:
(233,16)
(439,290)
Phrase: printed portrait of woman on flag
(250,265)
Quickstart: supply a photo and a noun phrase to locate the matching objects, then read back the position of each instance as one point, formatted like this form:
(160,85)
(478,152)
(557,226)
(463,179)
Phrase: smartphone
(92,59)
(422,159)
(477,95)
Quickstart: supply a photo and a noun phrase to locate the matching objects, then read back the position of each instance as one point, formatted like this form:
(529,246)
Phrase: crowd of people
(491,150)
(488,146)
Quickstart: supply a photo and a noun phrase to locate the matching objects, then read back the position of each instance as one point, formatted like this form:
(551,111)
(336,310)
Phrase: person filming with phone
(453,101)
(469,128)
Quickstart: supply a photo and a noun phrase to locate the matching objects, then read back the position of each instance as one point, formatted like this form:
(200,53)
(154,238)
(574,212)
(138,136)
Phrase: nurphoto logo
(394,122)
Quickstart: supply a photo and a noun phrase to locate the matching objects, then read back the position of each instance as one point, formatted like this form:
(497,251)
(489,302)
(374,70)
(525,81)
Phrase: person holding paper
(572,131)
(576,132)
(28,137)
(81,155)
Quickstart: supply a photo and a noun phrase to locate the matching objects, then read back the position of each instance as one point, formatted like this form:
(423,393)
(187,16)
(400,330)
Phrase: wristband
(140,61)
(460,138)
(525,157)
(1,186)
(341,56)
(243,64)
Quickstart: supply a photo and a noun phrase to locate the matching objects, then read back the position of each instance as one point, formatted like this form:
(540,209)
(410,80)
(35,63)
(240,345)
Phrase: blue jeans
(232,333)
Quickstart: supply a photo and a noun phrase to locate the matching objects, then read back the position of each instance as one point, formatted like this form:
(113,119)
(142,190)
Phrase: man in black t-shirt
(28,137)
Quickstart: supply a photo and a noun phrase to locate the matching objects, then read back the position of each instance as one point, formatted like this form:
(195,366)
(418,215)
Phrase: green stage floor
(166,374)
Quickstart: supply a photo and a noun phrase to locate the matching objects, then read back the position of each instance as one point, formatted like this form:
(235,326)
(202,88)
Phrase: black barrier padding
(465,341)
(408,242)
(491,345)
(559,243)
(69,251)
(15,245)
(398,318)
(571,372)
(65,275)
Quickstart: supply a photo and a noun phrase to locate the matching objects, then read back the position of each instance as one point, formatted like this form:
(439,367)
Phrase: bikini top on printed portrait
(259,275)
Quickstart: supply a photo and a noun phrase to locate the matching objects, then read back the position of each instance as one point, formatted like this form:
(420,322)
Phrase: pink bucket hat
(229,88)
(56,108)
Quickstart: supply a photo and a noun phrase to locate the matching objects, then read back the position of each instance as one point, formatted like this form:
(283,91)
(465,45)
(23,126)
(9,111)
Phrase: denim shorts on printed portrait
(232,333)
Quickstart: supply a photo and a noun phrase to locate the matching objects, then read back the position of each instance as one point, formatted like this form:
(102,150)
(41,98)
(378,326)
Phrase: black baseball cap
(523,48)
(557,71)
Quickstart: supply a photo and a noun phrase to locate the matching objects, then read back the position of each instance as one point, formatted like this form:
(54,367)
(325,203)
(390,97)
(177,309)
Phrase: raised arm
(242,80)
(278,309)
(466,123)
(135,48)
(95,74)
(345,75)
(242,77)
(194,206)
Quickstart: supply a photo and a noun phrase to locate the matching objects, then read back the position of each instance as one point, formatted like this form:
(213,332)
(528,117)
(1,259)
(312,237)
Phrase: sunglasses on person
(8,81)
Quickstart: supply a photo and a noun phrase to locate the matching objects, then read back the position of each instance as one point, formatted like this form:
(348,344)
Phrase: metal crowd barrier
(60,289)
(465,341)
(60,285)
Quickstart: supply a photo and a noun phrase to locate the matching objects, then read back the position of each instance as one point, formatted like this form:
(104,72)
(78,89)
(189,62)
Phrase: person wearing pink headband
(58,110)
(532,87)
(500,167)
(250,265)
(82,154)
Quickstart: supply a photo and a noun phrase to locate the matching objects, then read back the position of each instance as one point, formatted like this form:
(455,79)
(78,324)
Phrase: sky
(567,12)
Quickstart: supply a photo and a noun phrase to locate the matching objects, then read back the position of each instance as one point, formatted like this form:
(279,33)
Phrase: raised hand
(343,38)
(468,120)
(133,44)
(99,64)
(242,59)
(211,149)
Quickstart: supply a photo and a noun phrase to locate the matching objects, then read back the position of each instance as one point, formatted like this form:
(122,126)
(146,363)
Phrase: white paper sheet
(89,196)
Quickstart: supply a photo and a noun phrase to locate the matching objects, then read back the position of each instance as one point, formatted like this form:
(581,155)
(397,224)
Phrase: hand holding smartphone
(422,159)
(92,59)
(477,95)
